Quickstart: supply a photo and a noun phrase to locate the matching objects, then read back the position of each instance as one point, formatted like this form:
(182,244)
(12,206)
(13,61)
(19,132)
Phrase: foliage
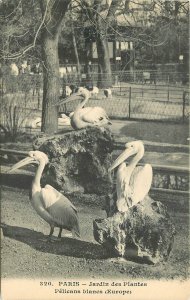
(157,28)
(20,97)
(19,21)
(161,33)
(13,114)
(72,25)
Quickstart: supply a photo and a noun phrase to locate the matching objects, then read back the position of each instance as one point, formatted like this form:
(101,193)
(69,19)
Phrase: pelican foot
(44,239)
(68,235)
(50,239)
(53,239)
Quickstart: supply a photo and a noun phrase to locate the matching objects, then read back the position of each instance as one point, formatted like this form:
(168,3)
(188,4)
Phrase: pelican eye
(31,154)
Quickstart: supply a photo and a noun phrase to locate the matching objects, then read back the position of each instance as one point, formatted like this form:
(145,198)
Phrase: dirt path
(26,255)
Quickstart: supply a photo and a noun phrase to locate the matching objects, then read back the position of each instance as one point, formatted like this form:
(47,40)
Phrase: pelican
(95,91)
(108,93)
(50,204)
(132,183)
(86,116)
(68,90)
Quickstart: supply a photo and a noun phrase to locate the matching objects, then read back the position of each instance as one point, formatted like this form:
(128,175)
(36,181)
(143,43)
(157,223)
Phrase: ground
(25,254)
(161,132)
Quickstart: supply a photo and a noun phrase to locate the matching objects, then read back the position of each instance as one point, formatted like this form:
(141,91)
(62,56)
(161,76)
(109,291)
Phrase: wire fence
(21,100)
(140,102)
(168,74)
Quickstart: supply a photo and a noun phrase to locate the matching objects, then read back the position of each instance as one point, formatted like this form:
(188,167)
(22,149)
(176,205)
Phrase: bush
(14,114)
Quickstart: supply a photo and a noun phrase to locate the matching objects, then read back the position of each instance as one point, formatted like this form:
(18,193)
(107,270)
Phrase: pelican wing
(94,115)
(63,212)
(51,196)
(131,191)
(140,182)
(123,187)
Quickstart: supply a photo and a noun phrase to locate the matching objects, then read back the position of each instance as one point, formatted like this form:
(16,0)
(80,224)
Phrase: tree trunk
(104,73)
(50,83)
(76,50)
(102,25)
(53,12)
(103,20)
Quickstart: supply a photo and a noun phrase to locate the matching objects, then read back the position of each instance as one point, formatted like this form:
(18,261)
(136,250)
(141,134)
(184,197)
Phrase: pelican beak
(74,96)
(23,162)
(122,157)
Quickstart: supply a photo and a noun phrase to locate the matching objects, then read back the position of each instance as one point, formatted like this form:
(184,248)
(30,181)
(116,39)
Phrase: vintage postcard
(94,149)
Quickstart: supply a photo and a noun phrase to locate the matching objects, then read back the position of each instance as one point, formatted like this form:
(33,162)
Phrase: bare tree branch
(21,53)
(8,16)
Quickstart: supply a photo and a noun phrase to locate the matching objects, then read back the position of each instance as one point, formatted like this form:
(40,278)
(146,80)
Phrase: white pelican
(108,93)
(86,116)
(95,91)
(68,90)
(32,122)
(14,69)
(50,204)
(36,122)
(133,183)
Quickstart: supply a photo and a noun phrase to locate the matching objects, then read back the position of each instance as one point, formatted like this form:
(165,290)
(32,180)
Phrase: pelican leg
(60,231)
(50,237)
(53,238)
(51,231)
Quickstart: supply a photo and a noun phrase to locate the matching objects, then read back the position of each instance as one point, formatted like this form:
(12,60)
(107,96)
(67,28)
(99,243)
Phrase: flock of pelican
(132,182)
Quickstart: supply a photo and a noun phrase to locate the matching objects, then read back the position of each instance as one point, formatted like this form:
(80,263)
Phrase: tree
(71,41)
(20,28)
(102,15)
(166,32)
(27,25)
(159,29)
(105,78)
(53,13)
(23,17)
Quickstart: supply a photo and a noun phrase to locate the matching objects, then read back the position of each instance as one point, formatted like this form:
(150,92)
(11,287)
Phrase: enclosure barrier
(162,180)
(141,103)
(21,100)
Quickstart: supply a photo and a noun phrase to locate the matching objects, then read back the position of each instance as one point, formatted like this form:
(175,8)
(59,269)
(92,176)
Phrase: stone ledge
(119,142)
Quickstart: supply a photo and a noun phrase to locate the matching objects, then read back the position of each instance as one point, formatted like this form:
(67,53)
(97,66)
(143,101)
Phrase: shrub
(14,114)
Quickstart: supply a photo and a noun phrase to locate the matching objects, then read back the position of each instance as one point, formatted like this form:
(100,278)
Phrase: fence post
(183,108)
(168,94)
(155,90)
(129,102)
(39,99)
(65,108)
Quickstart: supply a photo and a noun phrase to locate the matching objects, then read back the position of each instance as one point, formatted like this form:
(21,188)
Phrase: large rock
(145,231)
(78,160)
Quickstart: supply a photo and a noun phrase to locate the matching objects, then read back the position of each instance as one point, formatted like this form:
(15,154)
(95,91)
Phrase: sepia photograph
(94,149)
